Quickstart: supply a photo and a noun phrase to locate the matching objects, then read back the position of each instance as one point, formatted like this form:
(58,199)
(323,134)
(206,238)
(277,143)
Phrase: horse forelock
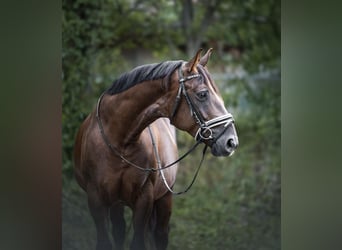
(143,73)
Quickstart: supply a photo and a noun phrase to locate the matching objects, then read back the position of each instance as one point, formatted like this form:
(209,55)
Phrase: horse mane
(143,73)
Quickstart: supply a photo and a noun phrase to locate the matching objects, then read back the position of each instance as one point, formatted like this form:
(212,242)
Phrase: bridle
(204,132)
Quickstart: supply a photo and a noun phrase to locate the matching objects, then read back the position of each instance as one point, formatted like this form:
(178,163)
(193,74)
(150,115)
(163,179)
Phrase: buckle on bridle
(205,133)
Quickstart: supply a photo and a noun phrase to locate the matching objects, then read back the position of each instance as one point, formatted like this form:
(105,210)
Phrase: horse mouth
(216,152)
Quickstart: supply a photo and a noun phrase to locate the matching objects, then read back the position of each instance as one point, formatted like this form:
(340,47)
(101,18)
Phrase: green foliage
(235,203)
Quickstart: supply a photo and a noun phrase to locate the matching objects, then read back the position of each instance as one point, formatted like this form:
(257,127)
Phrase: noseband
(204,132)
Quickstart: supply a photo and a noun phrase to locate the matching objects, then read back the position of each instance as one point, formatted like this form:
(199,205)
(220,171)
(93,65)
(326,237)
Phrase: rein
(155,150)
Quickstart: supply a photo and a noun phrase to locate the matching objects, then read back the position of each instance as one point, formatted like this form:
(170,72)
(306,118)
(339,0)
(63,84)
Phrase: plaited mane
(143,73)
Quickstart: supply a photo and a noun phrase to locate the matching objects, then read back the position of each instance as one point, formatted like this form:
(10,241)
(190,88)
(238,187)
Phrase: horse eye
(203,95)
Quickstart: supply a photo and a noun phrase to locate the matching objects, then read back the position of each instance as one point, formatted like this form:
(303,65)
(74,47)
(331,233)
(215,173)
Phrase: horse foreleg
(141,216)
(118,224)
(163,208)
(99,213)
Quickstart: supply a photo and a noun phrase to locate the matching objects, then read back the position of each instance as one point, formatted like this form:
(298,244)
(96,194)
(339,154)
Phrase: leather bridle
(204,132)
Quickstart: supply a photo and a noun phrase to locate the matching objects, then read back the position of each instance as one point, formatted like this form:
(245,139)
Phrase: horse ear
(192,64)
(205,58)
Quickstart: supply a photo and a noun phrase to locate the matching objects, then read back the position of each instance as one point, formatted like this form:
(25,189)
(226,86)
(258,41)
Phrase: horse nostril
(231,143)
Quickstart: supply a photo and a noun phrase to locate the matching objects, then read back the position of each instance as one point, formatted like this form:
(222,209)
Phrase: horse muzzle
(225,145)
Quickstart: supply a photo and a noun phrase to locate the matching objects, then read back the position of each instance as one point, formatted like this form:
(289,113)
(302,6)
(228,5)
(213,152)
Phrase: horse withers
(128,138)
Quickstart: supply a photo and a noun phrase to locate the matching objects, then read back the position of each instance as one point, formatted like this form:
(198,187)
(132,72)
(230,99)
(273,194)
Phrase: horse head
(198,108)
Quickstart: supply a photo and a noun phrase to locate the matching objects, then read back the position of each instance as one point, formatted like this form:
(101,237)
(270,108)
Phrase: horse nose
(232,144)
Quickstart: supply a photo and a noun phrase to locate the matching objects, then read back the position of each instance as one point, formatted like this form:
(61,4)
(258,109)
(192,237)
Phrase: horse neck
(127,114)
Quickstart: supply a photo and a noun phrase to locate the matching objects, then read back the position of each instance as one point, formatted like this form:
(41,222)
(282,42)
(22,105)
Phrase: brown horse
(122,146)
